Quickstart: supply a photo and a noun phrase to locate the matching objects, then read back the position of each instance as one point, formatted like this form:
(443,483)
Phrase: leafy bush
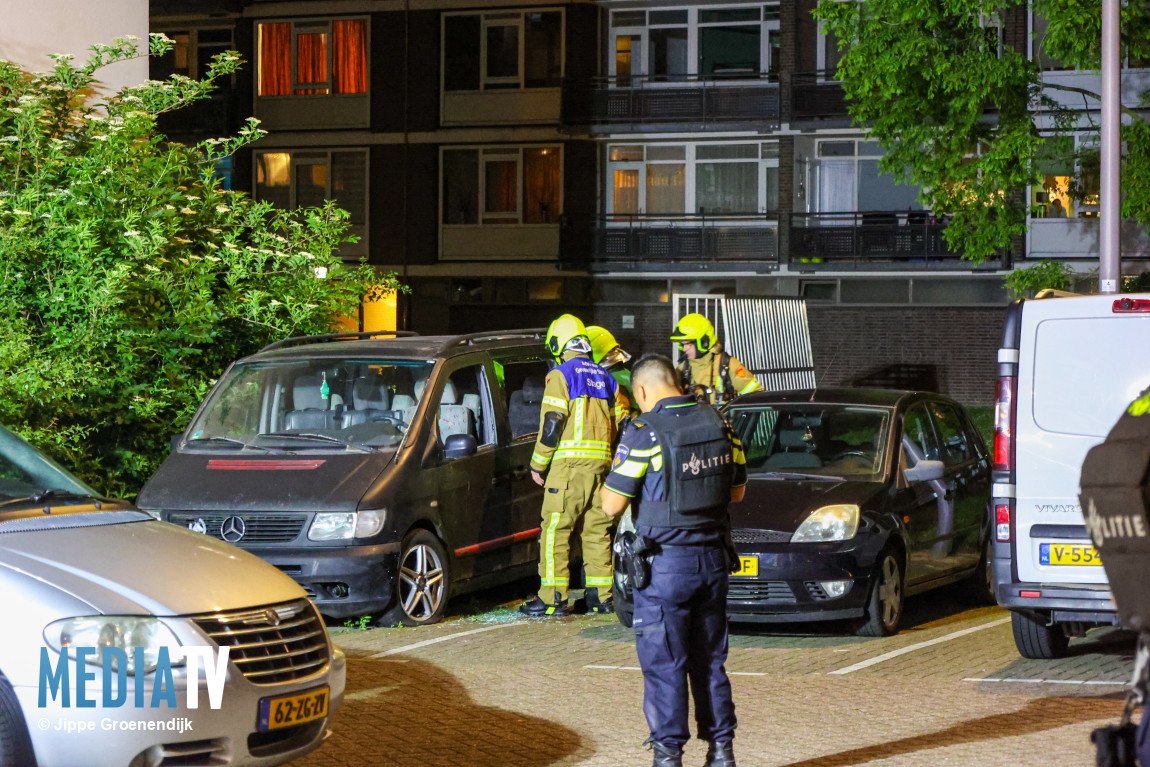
(129,278)
(1046,274)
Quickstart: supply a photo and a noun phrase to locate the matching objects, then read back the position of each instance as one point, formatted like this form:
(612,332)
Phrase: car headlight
(345,525)
(830,523)
(124,632)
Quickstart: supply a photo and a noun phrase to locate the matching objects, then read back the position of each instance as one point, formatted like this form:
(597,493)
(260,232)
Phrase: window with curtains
(503,50)
(847,179)
(312,58)
(494,186)
(713,179)
(305,178)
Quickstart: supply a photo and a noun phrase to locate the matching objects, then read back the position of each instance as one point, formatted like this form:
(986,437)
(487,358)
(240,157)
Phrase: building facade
(511,160)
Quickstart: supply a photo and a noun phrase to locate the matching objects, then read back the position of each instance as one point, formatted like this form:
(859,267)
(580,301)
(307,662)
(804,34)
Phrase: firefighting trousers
(571,493)
(680,626)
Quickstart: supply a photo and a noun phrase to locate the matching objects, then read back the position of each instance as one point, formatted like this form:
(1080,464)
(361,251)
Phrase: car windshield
(814,441)
(314,405)
(27,477)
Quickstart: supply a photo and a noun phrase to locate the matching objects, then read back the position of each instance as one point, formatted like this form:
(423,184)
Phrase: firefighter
(579,422)
(722,376)
(609,355)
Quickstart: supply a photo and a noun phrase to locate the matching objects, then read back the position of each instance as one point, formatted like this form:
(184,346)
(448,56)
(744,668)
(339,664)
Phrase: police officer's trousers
(681,634)
(571,493)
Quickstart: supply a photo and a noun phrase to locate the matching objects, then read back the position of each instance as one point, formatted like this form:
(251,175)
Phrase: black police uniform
(679,462)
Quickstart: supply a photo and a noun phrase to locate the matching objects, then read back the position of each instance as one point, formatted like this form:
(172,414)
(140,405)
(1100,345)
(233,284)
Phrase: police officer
(612,357)
(679,466)
(707,365)
(579,422)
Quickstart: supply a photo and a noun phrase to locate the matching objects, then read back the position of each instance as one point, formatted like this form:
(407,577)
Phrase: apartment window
(192,52)
(1069,168)
(493,186)
(291,180)
(312,58)
(668,45)
(716,179)
(1040,27)
(847,178)
(500,51)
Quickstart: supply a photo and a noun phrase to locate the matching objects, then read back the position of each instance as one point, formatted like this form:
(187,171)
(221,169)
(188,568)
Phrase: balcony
(610,104)
(660,243)
(815,96)
(875,241)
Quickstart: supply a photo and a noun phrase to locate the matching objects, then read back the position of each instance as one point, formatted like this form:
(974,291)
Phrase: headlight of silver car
(830,523)
(124,632)
(345,525)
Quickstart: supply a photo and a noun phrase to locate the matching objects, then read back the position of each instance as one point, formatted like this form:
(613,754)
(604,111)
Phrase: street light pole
(1110,188)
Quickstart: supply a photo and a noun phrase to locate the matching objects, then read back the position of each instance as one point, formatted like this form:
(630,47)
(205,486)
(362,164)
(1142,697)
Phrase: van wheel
(978,588)
(1038,641)
(884,608)
(422,583)
(15,745)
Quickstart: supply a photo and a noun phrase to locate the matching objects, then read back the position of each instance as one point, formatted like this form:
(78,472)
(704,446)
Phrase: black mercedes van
(385,472)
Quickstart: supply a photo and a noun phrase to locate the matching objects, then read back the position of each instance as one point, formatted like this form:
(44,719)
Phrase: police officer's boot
(720,755)
(594,605)
(666,756)
(537,608)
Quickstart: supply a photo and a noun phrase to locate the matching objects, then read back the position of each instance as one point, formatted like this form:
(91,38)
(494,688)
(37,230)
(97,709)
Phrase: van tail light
(1004,424)
(1002,522)
(1131,306)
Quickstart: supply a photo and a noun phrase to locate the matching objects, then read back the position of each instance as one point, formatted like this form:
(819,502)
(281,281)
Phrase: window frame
(329,23)
(1083,210)
(960,424)
(500,152)
(518,358)
(814,173)
(517,18)
(691,162)
(308,161)
(193,33)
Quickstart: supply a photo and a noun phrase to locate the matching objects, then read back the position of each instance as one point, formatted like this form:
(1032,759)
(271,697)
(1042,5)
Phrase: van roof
(405,348)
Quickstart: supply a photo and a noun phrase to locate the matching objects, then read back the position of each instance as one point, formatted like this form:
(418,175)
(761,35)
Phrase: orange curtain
(311,61)
(541,186)
(502,186)
(275,59)
(350,38)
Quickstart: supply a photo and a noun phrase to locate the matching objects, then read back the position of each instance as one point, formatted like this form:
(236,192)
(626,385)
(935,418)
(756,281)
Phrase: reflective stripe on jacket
(590,400)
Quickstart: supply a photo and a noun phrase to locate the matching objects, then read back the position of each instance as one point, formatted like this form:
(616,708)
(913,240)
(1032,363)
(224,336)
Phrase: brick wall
(959,346)
(652,326)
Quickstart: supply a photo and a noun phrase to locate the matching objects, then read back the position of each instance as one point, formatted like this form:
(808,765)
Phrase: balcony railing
(674,243)
(817,95)
(875,240)
(649,100)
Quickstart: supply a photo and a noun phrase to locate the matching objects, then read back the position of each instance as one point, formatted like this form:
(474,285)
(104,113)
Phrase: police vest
(699,467)
(1115,501)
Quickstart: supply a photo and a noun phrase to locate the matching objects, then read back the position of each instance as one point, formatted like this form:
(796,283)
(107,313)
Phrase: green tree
(960,115)
(129,278)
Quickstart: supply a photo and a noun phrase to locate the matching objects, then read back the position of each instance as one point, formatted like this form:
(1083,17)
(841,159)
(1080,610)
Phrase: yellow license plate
(290,710)
(1068,554)
(748,567)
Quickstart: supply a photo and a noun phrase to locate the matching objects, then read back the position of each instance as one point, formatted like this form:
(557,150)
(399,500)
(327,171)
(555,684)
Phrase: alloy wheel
(890,591)
(421,582)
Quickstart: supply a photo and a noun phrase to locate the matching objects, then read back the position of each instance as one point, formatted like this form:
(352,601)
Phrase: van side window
(956,447)
(523,381)
(918,432)
(465,406)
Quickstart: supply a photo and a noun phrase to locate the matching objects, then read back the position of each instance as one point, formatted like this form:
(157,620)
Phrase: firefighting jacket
(723,375)
(590,400)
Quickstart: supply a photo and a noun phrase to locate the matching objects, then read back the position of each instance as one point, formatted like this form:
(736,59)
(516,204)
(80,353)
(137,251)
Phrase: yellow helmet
(563,331)
(697,328)
(605,350)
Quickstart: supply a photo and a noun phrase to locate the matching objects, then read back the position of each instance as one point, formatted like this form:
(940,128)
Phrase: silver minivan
(1068,367)
(79,573)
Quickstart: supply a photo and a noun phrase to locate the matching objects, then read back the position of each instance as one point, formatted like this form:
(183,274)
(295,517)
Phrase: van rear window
(1087,370)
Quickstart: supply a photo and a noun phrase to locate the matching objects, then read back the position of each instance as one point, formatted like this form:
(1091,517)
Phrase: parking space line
(437,640)
(1100,682)
(918,646)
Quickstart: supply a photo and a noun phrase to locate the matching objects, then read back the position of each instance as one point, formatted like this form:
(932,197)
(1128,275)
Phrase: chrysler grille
(271,645)
(258,528)
(762,592)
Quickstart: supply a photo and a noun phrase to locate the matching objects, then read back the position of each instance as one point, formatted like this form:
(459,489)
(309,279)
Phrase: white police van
(1067,368)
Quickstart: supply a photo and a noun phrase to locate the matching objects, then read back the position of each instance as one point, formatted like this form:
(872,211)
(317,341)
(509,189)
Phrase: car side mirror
(174,443)
(459,446)
(925,471)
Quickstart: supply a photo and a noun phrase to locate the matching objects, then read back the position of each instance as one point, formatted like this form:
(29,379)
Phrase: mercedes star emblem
(233,529)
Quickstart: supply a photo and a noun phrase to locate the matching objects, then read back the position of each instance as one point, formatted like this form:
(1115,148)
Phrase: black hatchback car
(384,474)
(857,498)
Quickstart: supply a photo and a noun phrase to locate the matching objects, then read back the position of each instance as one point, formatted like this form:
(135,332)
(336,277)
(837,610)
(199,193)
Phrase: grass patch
(983,418)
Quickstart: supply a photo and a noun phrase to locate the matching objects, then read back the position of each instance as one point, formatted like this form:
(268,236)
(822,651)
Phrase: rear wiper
(798,475)
(226,441)
(318,438)
(52,494)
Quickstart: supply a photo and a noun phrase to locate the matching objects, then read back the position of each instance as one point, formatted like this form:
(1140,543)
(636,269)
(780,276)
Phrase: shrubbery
(128,277)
